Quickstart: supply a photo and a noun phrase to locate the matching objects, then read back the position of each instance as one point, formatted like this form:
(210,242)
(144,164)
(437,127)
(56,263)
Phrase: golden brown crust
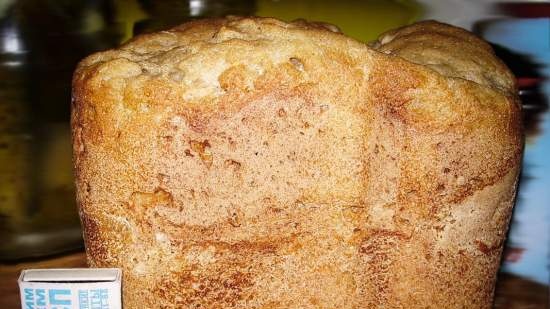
(451,51)
(251,163)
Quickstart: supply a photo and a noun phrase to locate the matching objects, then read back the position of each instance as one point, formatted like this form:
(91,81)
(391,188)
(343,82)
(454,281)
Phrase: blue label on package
(63,299)
(70,289)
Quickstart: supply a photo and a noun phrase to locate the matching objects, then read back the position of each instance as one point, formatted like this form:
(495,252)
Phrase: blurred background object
(524,43)
(363,20)
(41,41)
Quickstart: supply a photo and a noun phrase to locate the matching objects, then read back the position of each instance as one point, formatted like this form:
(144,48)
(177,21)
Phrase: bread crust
(252,163)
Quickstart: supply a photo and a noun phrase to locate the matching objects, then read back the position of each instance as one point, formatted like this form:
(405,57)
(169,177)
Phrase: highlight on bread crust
(252,163)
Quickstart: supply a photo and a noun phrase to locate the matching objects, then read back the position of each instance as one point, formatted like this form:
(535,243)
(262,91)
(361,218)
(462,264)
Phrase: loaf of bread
(252,163)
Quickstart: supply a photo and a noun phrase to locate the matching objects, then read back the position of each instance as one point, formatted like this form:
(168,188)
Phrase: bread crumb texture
(252,163)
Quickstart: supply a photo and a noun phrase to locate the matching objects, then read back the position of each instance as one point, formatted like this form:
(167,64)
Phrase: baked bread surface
(252,163)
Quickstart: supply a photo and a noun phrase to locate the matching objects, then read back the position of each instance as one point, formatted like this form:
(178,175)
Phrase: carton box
(76,288)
